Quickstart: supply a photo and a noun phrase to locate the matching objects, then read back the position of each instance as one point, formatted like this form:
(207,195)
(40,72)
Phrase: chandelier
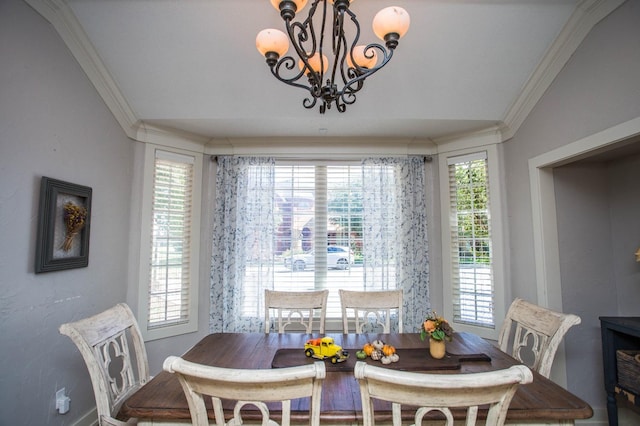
(351,63)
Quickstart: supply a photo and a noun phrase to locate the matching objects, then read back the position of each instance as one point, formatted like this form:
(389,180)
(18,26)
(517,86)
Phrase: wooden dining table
(162,400)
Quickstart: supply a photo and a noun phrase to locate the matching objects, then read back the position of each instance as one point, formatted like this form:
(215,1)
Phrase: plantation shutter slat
(344,222)
(171,240)
(472,277)
(316,206)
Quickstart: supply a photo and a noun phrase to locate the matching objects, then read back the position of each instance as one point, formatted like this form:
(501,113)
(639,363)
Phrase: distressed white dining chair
(439,392)
(535,334)
(248,387)
(371,307)
(295,308)
(116,371)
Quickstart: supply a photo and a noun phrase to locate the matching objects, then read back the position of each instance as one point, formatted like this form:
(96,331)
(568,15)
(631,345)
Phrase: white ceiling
(191,65)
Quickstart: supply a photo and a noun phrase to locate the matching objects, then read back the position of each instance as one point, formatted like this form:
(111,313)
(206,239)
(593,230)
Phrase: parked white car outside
(337,257)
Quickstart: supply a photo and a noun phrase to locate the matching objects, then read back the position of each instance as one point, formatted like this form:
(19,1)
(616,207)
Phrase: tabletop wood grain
(162,397)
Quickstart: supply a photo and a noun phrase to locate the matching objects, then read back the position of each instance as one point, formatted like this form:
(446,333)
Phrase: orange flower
(429,326)
(436,328)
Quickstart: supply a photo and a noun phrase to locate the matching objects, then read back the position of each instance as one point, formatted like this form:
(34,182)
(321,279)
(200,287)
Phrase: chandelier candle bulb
(389,21)
(333,80)
(362,59)
(272,40)
(314,63)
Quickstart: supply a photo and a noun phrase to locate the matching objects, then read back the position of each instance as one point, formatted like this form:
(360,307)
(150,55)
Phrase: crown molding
(587,14)
(483,137)
(320,147)
(149,133)
(584,18)
(64,21)
(60,15)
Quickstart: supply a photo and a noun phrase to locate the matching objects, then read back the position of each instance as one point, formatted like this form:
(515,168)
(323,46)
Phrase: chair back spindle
(535,334)
(371,307)
(293,308)
(246,388)
(443,393)
(104,341)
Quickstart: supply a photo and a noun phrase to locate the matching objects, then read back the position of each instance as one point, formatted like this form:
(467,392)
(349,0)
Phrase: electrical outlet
(62,401)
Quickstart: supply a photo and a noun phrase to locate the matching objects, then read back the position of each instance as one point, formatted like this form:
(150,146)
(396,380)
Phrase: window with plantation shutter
(170,262)
(472,283)
(300,225)
(318,220)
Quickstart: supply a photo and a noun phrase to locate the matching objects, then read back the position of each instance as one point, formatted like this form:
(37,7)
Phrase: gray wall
(598,206)
(53,123)
(624,202)
(598,88)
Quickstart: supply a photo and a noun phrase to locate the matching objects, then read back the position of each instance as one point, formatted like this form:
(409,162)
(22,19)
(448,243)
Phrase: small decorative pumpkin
(394,358)
(368,348)
(378,344)
(388,350)
(361,354)
(376,355)
(385,360)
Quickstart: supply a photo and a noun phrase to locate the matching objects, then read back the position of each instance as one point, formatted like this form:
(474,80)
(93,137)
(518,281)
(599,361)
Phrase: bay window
(316,225)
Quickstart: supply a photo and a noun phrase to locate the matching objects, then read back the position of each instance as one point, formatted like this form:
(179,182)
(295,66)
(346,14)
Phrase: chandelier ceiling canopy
(335,79)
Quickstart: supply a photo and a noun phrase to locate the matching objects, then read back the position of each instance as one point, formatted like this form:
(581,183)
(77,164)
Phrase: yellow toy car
(324,347)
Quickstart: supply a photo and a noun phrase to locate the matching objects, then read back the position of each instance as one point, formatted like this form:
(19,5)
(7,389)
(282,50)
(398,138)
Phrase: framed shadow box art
(64,220)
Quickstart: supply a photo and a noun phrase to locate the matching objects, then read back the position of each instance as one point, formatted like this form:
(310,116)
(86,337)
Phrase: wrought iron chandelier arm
(298,33)
(339,41)
(363,73)
(288,63)
(357,75)
(351,63)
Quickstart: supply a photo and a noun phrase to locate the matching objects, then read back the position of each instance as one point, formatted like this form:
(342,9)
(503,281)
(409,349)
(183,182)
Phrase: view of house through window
(318,215)
(472,286)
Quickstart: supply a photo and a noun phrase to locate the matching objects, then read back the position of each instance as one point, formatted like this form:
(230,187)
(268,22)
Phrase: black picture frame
(52,254)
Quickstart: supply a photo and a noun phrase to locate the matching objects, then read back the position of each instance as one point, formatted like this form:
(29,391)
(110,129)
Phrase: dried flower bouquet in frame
(63,226)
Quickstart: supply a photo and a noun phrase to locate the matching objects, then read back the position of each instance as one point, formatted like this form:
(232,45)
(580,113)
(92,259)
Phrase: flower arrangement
(436,328)
(75,217)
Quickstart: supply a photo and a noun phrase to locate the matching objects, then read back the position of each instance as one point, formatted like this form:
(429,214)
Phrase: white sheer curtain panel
(395,245)
(242,243)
